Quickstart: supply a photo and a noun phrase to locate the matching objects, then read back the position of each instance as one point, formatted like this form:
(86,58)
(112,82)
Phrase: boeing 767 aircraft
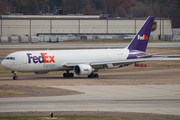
(82,62)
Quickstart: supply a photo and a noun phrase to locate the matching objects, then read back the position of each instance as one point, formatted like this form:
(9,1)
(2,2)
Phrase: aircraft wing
(153,58)
(163,52)
(169,57)
(128,61)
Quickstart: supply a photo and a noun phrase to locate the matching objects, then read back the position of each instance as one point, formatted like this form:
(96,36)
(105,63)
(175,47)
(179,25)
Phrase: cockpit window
(10,58)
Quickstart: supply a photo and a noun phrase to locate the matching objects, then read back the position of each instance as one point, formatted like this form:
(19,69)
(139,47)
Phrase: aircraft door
(24,60)
(25,66)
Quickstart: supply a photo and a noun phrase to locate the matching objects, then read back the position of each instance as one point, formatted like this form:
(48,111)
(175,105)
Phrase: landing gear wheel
(71,75)
(93,75)
(68,75)
(96,75)
(65,75)
(15,78)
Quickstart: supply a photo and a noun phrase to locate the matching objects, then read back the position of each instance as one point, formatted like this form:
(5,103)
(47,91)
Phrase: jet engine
(83,69)
(41,72)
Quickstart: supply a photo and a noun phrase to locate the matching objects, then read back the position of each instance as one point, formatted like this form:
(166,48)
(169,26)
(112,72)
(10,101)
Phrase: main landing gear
(92,75)
(68,75)
(14,76)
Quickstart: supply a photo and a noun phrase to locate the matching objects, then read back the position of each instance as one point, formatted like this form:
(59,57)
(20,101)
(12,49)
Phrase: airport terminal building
(91,26)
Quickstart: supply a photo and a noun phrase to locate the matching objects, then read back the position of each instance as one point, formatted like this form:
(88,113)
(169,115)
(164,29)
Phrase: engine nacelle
(83,69)
(41,72)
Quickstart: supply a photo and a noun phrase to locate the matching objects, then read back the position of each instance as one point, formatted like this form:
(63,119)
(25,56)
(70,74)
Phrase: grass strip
(10,92)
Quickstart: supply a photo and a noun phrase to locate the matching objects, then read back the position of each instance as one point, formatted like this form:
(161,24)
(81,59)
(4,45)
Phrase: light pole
(43,9)
(160,23)
(14,10)
(48,9)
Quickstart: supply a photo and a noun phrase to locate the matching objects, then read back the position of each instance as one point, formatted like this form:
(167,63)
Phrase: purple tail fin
(141,39)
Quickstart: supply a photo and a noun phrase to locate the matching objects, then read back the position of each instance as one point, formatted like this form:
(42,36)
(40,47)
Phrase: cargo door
(25,66)
(24,59)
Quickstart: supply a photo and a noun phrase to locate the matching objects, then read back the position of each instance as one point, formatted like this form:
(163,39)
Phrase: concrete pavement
(159,99)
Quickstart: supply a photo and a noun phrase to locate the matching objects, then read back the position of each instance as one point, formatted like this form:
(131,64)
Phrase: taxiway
(148,90)
(157,99)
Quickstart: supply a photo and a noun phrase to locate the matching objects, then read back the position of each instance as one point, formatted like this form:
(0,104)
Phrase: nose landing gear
(14,76)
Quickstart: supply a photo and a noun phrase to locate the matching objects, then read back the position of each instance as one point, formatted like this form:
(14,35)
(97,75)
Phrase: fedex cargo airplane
(82,62)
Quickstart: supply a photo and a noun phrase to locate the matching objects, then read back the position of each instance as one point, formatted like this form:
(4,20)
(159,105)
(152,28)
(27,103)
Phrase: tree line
(116,8)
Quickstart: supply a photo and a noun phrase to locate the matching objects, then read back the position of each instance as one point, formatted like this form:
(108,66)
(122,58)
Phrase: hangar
(38,25)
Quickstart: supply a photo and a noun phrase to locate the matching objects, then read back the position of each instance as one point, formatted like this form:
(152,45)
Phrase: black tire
(65,75)
(96,75)
(72,75)
(15,78)
(89,76)
(68,75)
(92,75)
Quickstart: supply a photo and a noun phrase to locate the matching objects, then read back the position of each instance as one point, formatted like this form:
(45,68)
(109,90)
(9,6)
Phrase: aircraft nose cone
(3,63)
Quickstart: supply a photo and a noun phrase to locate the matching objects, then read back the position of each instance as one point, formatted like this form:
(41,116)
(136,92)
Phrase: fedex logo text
(87,69)
(144,37)
(43,58)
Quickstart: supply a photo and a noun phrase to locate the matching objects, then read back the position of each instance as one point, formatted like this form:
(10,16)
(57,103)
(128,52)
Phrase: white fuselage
(51,60)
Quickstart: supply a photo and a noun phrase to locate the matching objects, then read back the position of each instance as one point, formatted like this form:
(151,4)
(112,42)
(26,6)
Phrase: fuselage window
(10,58)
